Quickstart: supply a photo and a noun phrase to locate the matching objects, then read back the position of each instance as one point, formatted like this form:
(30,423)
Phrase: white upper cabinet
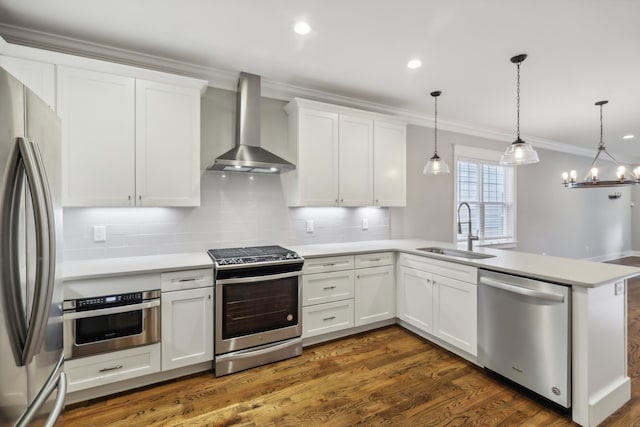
(98,137)
(38,76)
(128,141)
(315,180)
(345,157)
(355,161)
(389,164)
(167,145)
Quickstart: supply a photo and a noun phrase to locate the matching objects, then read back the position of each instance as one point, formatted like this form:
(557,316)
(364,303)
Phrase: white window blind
(488,188)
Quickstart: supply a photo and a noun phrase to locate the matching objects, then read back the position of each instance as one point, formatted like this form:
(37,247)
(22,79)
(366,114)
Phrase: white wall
(550,218)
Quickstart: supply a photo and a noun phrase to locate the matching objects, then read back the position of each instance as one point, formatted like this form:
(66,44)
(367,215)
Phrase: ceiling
(579,52)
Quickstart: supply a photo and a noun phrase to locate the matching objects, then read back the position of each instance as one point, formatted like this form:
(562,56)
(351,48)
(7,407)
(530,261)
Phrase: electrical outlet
(619,288)
(308,226)
(365,223)
(99,233)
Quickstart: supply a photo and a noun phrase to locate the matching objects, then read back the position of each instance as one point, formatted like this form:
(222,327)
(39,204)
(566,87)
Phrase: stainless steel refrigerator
(32,381)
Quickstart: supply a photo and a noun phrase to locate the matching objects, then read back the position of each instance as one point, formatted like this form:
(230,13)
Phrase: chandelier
(592,178)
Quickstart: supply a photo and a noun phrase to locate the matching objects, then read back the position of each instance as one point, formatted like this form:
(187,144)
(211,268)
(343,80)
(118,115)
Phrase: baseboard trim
(608,401)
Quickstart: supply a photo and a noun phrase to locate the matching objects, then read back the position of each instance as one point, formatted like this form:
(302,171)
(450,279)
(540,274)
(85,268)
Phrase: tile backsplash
(236,210)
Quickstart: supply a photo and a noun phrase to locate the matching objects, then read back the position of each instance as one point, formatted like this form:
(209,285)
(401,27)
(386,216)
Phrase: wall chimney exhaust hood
(247,155)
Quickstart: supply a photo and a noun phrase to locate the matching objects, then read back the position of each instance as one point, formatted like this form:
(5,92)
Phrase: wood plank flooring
(383,377)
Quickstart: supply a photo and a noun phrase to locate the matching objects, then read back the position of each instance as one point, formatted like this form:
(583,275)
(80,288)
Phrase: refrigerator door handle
(57,379)
(45,239)
(9,261)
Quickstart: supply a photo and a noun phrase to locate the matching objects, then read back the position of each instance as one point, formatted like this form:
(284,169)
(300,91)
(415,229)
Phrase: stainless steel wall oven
(108,323)
(258,307)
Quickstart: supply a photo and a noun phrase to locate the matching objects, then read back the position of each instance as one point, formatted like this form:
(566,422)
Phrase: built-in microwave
(112,322)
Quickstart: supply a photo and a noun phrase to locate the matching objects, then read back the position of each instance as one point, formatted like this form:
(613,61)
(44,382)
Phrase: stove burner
(252,255)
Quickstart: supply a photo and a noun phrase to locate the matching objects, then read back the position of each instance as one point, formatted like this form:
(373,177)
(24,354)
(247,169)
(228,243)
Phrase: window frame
(486,157)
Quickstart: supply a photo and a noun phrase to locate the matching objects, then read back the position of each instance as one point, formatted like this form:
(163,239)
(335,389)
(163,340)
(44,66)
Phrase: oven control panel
(108,301)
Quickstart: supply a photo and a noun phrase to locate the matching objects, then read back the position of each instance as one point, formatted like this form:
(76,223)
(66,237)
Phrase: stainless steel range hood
(247,155)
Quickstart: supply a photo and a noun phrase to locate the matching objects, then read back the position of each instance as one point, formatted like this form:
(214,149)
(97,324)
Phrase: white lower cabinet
(415,298)
(324,318)
(107,368)
(374,294)
(327,295)
(439,298)
(187,318)
(455,313)
(187,327)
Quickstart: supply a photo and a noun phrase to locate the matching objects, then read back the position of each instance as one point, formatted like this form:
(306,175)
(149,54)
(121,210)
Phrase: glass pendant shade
(519,153)
(435,166)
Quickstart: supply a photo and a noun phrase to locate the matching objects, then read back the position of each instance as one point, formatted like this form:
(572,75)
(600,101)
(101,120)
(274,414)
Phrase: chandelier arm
(611,157)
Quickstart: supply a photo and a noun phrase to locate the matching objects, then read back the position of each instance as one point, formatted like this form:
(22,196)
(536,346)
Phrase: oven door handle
(114,310)
(258,278)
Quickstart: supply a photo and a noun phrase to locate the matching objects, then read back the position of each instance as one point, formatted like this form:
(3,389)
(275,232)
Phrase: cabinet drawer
(325,265)
(92,371)
(373,260)
(466,273)
(187,279)
(324,318)
(327,287)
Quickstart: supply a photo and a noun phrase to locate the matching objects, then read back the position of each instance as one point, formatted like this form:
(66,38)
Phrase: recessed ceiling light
(629,136)
(414,63)
(302,28)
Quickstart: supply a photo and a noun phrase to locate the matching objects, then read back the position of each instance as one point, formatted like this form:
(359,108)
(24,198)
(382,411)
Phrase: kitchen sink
(456,253)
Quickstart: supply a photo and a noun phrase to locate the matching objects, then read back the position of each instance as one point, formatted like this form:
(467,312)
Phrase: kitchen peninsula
(600,383)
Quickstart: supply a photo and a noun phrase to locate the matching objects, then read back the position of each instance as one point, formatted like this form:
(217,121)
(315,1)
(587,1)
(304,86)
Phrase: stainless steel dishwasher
(524,333)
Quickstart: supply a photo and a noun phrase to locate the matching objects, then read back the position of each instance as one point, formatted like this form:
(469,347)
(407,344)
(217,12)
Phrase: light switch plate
(619,288)
(365,223)
(308,226)
(99,233)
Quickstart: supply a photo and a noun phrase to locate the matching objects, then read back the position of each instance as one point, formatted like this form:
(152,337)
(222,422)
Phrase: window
(489,189)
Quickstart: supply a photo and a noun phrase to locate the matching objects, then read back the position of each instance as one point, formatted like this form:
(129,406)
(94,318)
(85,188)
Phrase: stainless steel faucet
(470,237)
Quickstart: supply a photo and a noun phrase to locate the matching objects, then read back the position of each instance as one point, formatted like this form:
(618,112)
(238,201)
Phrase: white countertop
(91,269)
(560,270)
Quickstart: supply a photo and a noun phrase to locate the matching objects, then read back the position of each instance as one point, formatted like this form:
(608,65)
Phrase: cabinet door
(37,76)
(355,183)
(415,298)
(318,158)
(455,313)
(389,164)
(167,145)
(98,137)
(375,295)
(187,327)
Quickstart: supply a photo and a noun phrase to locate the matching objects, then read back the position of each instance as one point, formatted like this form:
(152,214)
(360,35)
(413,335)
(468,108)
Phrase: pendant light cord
(518,103)
(601,132)
(435,128)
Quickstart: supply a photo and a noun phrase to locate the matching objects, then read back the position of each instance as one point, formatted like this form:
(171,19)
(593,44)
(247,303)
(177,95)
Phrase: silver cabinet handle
(547,296)
(326,288)
(326,319)
(331,264)
(113,368)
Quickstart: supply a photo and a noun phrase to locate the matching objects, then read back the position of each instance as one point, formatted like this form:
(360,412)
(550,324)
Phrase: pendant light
(435,165)
(592,178)
(519,152)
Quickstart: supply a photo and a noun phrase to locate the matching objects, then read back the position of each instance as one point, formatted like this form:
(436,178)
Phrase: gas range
(254,256)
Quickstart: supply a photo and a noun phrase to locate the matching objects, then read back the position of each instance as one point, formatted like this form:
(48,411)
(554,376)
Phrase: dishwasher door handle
(547,296)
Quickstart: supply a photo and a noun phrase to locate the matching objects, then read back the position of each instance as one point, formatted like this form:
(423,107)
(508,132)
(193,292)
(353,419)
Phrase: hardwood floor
(383,377)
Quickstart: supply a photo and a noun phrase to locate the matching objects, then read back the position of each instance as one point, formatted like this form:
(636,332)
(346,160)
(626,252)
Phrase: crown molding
(228,79)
